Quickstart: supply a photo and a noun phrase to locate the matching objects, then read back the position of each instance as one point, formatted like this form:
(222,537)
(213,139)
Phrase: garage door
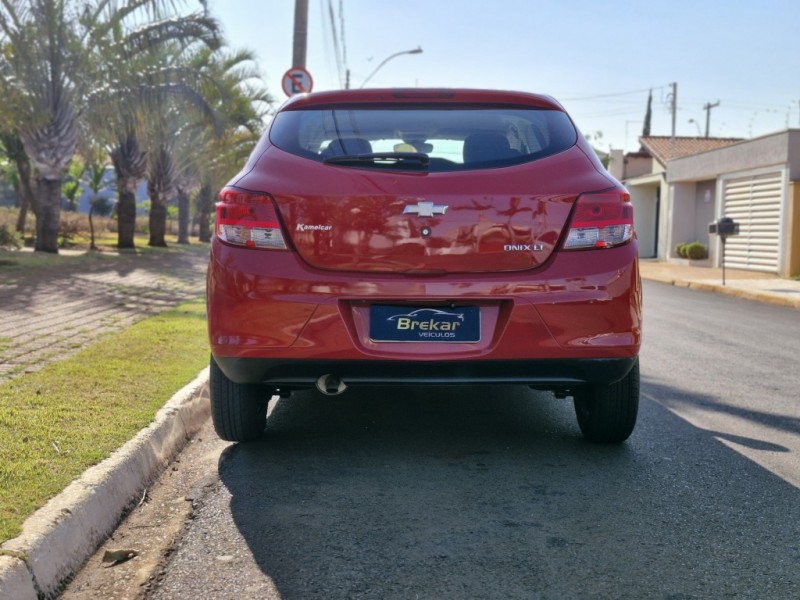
(755,203)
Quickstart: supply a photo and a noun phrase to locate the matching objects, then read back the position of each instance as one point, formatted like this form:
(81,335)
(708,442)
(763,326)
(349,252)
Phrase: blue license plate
(414,324)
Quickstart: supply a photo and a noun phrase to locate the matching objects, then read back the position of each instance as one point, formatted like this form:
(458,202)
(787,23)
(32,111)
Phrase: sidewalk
(751,285)
(50,308)
(48,313)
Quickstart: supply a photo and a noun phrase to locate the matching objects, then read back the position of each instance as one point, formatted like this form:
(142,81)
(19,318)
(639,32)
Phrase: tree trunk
(48,214)
(160,184)
(158,222)
(23,210)
(92,245)
(129,166)
(204,213)
(126,212)
(27,199)
(205,227)
(183,216)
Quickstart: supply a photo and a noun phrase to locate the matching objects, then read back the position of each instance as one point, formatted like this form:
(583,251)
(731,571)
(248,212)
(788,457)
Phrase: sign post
(297,81)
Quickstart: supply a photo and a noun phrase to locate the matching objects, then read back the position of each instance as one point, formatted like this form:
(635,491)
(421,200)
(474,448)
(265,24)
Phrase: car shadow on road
(678,400)
(492,493)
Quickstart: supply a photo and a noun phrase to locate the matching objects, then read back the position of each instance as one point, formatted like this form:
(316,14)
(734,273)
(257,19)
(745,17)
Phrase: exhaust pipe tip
(331,385)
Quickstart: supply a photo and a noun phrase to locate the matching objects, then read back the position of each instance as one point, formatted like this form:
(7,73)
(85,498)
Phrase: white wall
(681,227)
(705,209)
(643,199)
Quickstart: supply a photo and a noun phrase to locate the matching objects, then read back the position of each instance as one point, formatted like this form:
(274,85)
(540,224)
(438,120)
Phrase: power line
(344,42)
(611,95)
(336,50)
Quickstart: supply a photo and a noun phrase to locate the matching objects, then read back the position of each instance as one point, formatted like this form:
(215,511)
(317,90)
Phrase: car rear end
(424,237)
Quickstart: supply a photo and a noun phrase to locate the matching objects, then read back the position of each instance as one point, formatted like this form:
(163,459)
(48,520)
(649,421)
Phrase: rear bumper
(272,319)
(544,374)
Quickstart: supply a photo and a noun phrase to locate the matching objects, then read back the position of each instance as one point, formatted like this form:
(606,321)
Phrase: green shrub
(69,228)
(696,251)
(680,250)
(103,206)
(9,237)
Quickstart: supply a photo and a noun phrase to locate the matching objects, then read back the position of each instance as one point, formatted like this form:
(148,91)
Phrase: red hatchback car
(423,236)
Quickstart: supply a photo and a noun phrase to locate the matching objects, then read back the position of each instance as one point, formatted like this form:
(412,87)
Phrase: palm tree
(40,84)
(237,96)
(130,166)
(242,104)
(160,187)
(137,61)
(46,72)
(216,96)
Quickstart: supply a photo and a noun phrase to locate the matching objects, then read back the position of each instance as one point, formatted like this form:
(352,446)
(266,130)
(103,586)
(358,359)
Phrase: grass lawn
(72,414)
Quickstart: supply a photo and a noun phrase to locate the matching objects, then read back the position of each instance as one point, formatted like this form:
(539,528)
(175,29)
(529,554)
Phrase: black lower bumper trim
(543,374)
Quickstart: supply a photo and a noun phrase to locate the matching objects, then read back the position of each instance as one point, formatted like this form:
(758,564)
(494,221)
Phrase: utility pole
(674,108)
(707,107)
(300,33)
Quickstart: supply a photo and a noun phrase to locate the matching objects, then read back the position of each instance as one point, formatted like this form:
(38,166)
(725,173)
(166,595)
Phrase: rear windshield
(431,138)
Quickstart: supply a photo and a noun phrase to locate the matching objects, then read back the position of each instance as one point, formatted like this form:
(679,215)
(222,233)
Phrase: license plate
(414,324)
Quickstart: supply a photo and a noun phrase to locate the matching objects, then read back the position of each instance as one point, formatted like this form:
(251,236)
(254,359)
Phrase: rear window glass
(451,138)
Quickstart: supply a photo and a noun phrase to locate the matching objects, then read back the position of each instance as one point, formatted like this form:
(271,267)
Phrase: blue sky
(598,58)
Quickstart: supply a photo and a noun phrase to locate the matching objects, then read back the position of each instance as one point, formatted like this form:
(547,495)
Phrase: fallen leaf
(115,557)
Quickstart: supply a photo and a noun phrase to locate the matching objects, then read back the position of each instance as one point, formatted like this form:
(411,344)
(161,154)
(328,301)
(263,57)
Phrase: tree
(41,81)
(23,182)
(72,184)
(141,75)
(212,95)
(96,171)
(130,166)
(241,104)
(205,201)
(48,66)
(648,115)
(160,185)
(596,138)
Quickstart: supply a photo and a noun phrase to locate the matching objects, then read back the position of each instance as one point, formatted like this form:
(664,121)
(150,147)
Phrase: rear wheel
(238,411)
(607,413)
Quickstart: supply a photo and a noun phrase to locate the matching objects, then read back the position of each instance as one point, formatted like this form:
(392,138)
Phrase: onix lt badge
(425,209)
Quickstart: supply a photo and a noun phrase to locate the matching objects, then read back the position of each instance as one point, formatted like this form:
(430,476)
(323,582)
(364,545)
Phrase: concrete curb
(746,294)
(732,290)
(58,538)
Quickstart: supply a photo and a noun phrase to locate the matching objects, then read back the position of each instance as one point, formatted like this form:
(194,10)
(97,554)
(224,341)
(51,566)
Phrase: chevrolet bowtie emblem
(424,209)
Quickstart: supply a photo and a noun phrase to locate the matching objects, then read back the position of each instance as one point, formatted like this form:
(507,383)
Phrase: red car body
(537,242)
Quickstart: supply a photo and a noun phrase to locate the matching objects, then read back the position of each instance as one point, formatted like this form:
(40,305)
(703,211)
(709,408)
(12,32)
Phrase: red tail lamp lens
(249,220)
(600,221)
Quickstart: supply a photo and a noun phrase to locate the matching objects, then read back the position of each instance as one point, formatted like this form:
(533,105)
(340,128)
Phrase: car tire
(238,411)
(607,413)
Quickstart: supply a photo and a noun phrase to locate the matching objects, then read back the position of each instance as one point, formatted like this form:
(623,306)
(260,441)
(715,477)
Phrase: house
(680,185)
(756,183)
(644,173)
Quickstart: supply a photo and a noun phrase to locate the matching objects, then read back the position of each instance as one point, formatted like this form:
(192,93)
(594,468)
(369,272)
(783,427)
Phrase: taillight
(248,219)
(600,220)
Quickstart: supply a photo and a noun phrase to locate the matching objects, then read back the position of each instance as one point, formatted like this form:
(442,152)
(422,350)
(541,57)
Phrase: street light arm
(417,50)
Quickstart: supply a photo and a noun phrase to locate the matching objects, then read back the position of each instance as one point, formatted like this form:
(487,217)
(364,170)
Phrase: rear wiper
(381,158)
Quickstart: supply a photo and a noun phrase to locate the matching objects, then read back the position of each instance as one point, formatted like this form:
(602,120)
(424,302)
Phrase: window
(452,137)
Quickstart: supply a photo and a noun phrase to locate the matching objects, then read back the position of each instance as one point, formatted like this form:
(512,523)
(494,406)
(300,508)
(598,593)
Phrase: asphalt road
(492,492)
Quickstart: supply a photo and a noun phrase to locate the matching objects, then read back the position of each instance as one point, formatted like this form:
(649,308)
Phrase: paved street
(492,493)
(47,314)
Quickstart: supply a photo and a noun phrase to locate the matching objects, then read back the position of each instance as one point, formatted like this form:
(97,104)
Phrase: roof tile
(660,146)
